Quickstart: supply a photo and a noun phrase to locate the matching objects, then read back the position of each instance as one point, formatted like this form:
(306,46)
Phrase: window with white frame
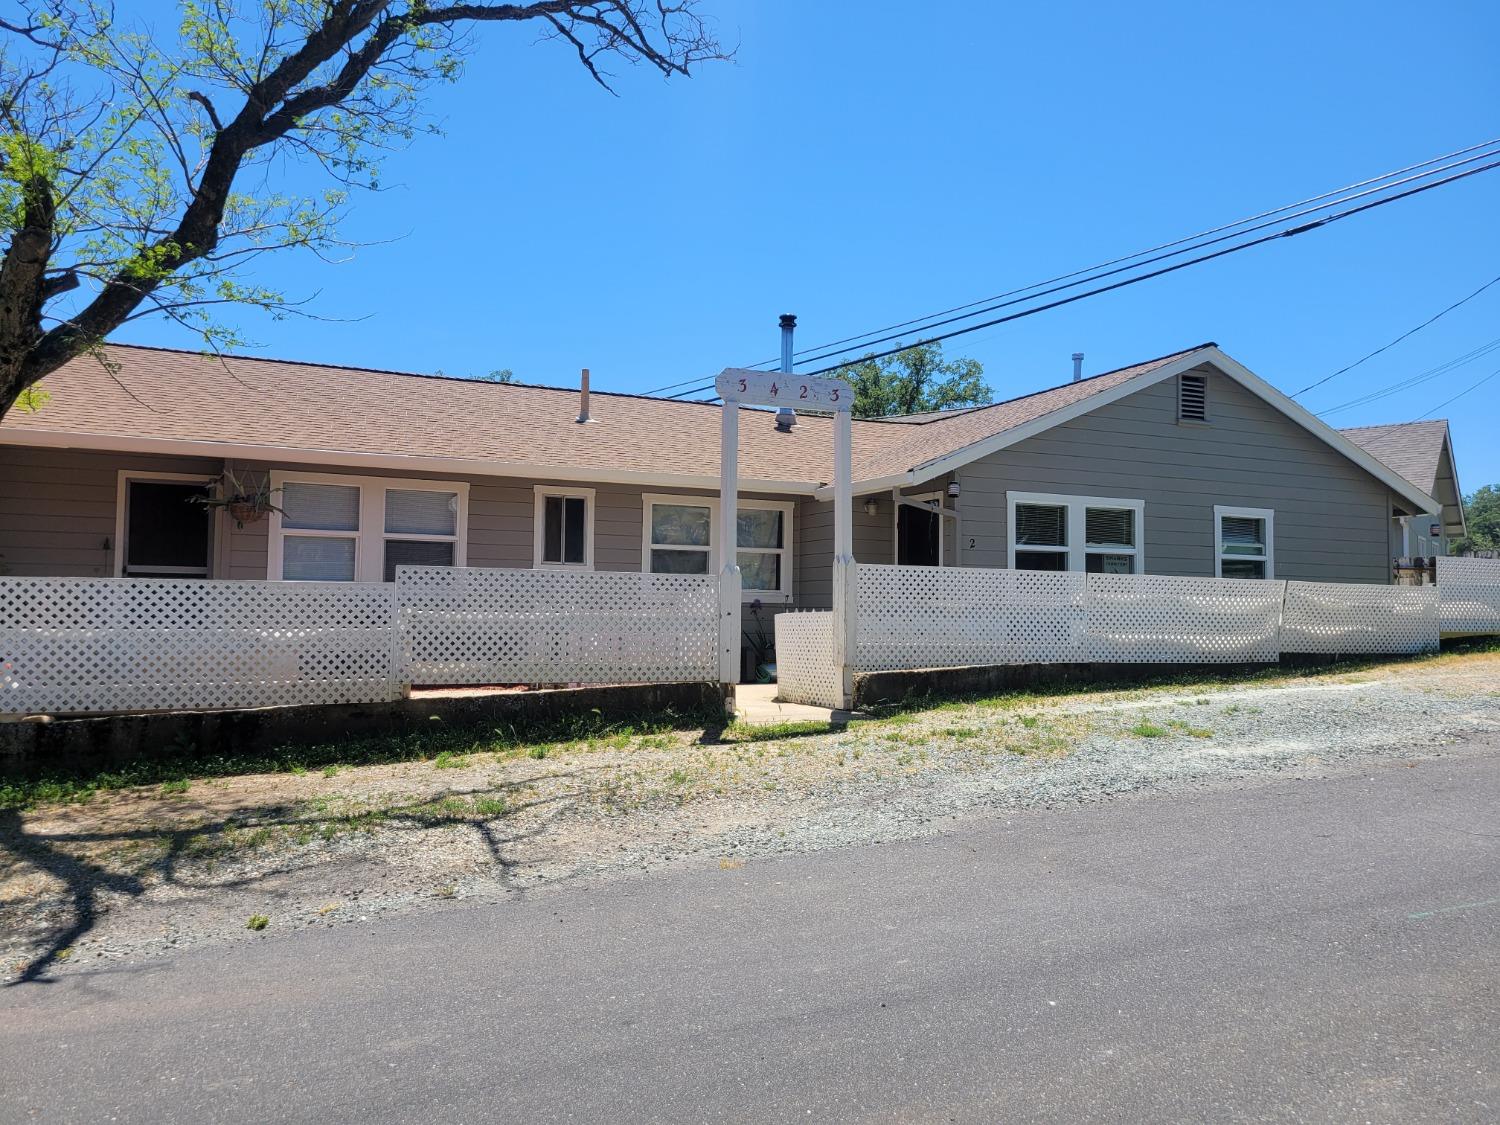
(564,532)
(1244,542)
(334,528)
(678,538)
(1096,534)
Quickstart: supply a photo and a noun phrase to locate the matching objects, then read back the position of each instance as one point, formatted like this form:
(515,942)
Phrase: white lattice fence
(943,617)
(1150,618)
(805,672)
(138,644)
(1341,617)
(464,625)
(1469,595)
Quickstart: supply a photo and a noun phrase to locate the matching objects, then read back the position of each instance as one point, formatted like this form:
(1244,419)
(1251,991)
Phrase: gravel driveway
(139,873)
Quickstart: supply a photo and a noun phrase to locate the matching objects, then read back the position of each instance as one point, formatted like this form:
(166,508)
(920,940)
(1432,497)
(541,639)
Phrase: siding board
(1331,517)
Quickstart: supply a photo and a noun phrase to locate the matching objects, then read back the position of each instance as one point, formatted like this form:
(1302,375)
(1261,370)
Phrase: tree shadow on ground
(70,857)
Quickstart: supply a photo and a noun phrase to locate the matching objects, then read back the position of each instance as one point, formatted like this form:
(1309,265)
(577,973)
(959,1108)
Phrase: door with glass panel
(331,531)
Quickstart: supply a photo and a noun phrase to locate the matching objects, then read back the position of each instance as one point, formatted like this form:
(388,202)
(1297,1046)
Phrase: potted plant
(246,501)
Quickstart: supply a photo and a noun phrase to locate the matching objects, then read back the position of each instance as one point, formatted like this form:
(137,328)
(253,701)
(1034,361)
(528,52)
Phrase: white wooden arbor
(738,387)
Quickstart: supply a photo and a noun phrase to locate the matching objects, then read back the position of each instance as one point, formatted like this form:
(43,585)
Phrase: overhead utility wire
(1292,233)
(1398,339)
(1129,257)
(1415,380)
(829,354)
(1461,394)
(1138,253)
(1288,233)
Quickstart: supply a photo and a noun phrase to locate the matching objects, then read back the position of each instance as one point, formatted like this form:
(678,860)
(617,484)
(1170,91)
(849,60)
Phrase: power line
(1461,393)
(1415,380)
(1291,233)
(1151,250)
(694,386)
(1398,339)
(829,354)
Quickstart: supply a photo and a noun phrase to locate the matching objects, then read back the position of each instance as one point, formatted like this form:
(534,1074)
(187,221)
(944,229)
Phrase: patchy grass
(1190,730)
(1206,678)
(1144,729)
(739,732)
(257,922)
(181,762)
(448,760)
(177,785)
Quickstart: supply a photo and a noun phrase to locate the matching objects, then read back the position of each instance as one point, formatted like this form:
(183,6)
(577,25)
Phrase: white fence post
(845,597)
(729,541)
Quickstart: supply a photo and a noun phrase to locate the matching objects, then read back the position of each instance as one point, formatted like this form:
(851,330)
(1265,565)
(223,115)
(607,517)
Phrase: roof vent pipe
(583,396)
(786,417)
(1077,366)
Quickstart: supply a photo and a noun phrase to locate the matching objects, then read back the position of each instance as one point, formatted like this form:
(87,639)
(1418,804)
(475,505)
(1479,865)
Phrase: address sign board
(777,388)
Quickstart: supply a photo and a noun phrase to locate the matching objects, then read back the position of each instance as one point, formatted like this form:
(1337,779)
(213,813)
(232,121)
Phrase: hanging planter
(246,502)
(245,511)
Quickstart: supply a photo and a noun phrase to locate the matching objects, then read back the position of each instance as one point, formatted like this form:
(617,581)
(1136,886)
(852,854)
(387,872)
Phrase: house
(1422,452)
(1188,464)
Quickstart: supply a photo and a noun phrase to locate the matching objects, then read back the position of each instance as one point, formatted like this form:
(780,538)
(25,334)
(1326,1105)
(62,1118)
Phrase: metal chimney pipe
(786,417)
(583,396)
(1077,366)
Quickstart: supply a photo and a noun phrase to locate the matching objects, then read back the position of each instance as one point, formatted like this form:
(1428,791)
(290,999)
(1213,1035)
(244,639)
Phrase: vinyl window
(564,532)
(678,538)
(360,529)
(1244,542)
(1096,534)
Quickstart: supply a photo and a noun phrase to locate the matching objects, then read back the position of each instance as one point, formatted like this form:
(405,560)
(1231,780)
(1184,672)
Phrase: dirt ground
(142,872)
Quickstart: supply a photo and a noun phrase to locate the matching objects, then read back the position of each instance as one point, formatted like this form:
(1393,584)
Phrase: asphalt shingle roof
(136,391)
(1413,449)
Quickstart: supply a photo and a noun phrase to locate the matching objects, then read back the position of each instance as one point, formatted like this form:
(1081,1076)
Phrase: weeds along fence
(935,617)
(87,645)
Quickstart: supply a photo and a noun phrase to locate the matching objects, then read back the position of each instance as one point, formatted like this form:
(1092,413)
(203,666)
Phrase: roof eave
(948,462)
(419,465)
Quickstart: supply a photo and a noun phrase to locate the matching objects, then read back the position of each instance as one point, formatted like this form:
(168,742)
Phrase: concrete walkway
(757,705)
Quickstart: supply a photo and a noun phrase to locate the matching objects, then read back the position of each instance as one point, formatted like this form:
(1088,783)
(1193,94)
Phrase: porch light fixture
(953,490)
(872,506)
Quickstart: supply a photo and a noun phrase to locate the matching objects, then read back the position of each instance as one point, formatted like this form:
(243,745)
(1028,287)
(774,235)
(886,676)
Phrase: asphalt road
(1321,950)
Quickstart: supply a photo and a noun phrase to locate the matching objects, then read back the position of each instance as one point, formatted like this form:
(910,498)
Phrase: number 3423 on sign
(777,388)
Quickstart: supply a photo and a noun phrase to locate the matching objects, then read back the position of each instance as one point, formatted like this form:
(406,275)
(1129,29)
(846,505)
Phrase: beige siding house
(1188,464)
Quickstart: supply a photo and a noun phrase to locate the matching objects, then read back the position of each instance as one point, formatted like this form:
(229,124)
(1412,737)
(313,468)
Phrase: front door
(917,536)
(166,530)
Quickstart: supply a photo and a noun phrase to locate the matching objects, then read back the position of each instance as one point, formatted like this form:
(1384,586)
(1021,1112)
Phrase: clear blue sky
(861,166)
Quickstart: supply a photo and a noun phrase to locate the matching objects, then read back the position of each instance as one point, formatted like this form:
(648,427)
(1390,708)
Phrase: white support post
(781,389)
(844,589)
(728,539)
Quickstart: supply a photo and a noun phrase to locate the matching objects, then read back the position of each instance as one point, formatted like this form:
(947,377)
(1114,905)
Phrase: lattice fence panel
(1150,618)
(464,625)
(1469,595)
(71,645)
(944,617)
(805,672)
(1341,617)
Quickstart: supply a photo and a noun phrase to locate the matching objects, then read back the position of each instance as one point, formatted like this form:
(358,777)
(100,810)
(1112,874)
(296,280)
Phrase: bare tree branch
(103,236)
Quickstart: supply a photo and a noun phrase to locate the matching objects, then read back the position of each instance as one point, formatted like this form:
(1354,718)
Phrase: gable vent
(1192,398)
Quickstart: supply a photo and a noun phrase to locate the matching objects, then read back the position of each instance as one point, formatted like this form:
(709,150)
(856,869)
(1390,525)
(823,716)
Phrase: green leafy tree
(915,381)
(139,176)
(1482,515)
